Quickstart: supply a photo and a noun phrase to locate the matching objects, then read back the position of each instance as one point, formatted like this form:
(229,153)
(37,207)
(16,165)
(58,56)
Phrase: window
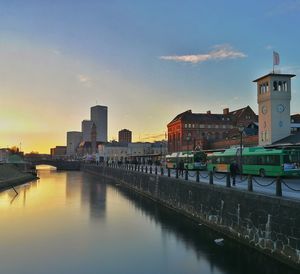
(185,125)
(280,86)
(285,86)
(275,86)
(201,126)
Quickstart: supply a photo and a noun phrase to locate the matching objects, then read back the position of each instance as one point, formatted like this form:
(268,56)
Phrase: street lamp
(241,130)
(188,138)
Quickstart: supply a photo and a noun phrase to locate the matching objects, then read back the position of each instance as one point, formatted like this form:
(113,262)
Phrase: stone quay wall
(267,223)
(10,176)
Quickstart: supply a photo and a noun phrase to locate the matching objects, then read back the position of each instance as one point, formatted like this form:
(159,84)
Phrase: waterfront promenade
(288,187)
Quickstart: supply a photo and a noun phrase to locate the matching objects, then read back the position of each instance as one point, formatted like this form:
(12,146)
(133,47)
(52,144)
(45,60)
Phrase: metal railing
(212,177)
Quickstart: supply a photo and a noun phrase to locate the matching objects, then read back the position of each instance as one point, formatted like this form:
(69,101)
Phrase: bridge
(59,164)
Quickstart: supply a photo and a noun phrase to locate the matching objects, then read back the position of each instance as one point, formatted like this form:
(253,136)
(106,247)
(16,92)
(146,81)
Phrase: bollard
(186,177)
(176,173)
(161,171)
(250,184)
(278,187)
(233,180)
(155,170)
(211,178)
(146,169)
(227,179)
(150,169)
(197,176)
(169,172)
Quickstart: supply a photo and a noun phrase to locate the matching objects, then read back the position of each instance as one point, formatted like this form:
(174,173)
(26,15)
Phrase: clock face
(264,109)
(280,108)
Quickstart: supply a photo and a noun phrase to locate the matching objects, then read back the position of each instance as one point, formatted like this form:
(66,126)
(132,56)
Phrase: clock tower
(273,98)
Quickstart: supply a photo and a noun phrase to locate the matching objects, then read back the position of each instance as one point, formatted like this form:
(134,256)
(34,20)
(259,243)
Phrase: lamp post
(241,130)
(188,138)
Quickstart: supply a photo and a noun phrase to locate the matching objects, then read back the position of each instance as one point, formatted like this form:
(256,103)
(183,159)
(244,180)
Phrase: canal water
(71,222)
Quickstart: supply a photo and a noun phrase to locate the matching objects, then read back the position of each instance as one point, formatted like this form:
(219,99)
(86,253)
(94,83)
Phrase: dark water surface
(70,222)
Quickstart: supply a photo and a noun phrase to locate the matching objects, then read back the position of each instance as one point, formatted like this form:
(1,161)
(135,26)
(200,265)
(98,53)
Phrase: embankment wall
(266,223)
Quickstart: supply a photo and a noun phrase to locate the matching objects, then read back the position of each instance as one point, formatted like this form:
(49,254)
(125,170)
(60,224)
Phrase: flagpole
(273,61)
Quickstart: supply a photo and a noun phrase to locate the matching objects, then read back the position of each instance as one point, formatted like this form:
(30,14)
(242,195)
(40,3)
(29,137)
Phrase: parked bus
(191,160)
(258,161)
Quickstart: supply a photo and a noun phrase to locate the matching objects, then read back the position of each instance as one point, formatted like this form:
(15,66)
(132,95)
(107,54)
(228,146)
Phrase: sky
(146,60)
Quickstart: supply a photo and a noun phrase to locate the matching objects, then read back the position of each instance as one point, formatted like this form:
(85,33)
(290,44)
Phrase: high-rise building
(125,136)
(99,117)
(86,129)
(73,141)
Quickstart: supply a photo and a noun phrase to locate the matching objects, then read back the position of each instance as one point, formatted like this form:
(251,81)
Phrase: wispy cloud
(220,52)
(56,51)
(269,47)
(84,80)
(284,7)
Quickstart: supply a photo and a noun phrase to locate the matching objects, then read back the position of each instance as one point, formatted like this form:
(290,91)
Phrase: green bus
(258,161)
(191,160)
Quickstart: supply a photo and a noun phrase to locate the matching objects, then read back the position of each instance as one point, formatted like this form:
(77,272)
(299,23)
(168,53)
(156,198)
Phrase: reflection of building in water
(97,200)
(86,191)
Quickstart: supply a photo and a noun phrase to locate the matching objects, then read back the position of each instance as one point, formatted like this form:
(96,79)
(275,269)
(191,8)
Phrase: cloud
(84,80)
(269,47)
(56,51)
(221,52)
(284,7)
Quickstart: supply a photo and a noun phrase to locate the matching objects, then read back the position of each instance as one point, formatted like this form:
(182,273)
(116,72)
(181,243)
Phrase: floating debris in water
(219,241)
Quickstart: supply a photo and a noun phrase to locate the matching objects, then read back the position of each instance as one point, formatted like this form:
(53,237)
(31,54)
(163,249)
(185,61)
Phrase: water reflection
(230,258)
(70,222)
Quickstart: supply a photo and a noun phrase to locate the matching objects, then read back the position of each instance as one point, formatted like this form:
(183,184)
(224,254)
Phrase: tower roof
(274,74)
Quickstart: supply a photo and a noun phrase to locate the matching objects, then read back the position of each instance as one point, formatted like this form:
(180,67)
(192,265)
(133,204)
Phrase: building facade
(58,152)
(273,98)
(125,136)
(86,129)
(73,140)
(190,131)
(99,117)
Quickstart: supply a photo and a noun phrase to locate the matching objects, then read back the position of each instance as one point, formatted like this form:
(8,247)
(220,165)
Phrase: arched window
(285,88)
(279,86)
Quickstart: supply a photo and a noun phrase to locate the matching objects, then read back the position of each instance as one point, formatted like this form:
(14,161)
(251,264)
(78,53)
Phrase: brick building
(188,131)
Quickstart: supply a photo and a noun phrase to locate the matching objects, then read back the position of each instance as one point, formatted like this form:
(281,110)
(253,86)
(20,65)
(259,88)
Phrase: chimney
(208,112)
(226,111)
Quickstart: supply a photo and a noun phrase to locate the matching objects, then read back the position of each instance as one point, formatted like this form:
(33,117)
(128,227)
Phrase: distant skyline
(146,60)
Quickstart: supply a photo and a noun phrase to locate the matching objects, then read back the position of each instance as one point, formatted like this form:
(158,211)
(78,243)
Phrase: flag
(275,58)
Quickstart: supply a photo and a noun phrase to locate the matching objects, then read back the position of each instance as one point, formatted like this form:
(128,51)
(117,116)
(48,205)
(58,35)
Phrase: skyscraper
(86,128)
(73,141)
(99,117)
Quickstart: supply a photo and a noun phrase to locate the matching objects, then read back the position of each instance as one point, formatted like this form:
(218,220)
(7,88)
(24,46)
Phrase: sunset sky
(146,60)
